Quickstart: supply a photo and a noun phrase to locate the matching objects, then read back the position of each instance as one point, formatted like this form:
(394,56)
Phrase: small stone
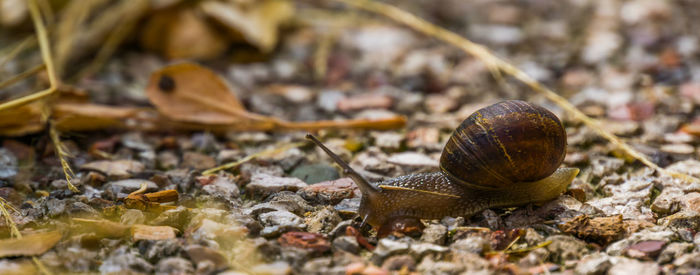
(688,263)
(8,164)
(434,233)
(685,219)
(420,250)
(322,221)
(157,249)
(565,248)
(440,104)
(313,242)
(222,187)
(167,160)
(596,263)
(174,265)
(413,159)
(423,137)
(262,185)
(649,234)
(365,101)
(197,161)
(387,140)
(328,100)
(278,222)
(678,148)
(176,218)
(11,195)
(275,268)
(346,243)
(120,189)
(115,169)
(629,266)
(399,262)
(122,261)
(387,247)
(132,216)
(200,254)
(673,251)
(473,244)
(645,250)
(314,173)
(667,201)
(330,192)
(691,201)
(348,207)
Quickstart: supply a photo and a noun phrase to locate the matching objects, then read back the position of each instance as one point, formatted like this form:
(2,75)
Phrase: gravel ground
(631,64)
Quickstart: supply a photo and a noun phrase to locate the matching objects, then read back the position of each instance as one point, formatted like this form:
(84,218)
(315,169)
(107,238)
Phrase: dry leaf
(257,21)
(147,232)
(182,33)
(22,120)
(29,245)
(86,116)
(189,92)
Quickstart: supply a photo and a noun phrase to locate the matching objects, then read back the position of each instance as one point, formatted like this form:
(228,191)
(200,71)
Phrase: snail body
(506,154)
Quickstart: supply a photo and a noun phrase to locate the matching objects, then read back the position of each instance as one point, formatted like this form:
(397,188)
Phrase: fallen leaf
(22,120)
(257,21)
(29,245)
(102,228)
(183,33)
(148,232)
(189,92)
(86,116)
(151,201)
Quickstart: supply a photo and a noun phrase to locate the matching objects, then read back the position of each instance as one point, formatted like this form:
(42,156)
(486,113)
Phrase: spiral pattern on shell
(505,143)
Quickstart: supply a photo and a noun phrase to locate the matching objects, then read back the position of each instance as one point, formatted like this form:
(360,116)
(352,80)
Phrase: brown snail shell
(505,143)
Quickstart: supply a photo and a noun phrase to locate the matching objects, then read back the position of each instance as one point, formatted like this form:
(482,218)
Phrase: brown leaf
(192,93)
(29,245)
(86,116)
(256,21)
(151,201)
(305,240)
(183,33)
(147,232)
(21,120)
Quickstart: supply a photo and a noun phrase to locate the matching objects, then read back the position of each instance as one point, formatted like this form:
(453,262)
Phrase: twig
(263,153)
(4,205)
(45,55)
(492,61)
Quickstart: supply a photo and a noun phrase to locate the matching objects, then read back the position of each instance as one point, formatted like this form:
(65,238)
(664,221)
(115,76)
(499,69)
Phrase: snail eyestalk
(364,185)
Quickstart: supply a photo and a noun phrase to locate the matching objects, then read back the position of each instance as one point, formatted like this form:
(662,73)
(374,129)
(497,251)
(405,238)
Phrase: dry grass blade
(62,154)
(21,76)
(4,205)
(45,55)
(16,49)
(492,61)
(271,151)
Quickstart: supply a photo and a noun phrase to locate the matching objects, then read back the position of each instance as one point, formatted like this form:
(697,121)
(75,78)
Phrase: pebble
(167,160)
(202,254)
(120,189)
(174,265)
(649,234)
(645,250)
(434,233)
(262,185)
(387,140)
(667,201)
(348,207)
(346,243)
(315,173)
(330,192)
(399,262)
(328,100)
(274,268)
(421,249)
(678,148)
(8,164)
(122,261)
(413,159)
(323,220)
(197,161)
(278,222)
(688,263)
(314,242)
(132,216)
(115,169)
(176,218)
(673,251)
(158,249)
(387,247)
(565,248)
(629,266)
(685,219)
(691,201)
(472,244)
(365,101)
(222,187)
(596,263)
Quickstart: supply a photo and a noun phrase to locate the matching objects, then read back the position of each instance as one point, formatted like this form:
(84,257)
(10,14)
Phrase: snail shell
(504,144)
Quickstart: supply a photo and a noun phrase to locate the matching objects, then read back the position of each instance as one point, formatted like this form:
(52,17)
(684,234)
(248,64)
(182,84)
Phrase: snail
(507,154)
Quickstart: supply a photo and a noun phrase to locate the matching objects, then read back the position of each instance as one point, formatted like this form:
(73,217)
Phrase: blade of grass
(496,63)
(21,76)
